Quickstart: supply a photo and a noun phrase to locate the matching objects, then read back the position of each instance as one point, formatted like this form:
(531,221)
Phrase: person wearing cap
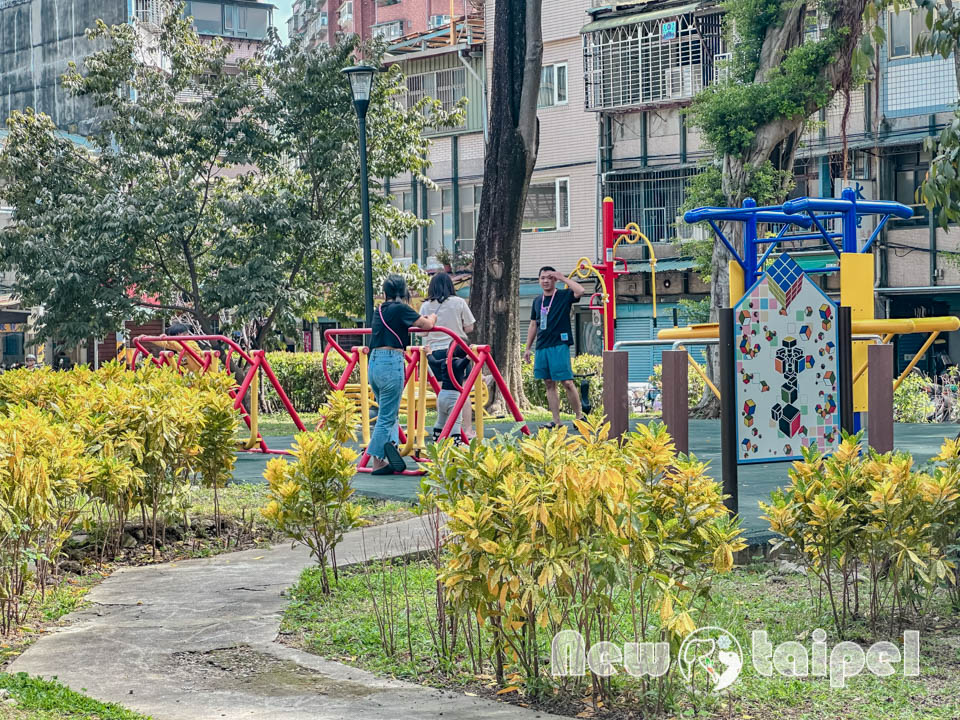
(31,362)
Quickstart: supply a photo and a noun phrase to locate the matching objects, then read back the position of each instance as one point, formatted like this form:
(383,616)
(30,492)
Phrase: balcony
(658,58)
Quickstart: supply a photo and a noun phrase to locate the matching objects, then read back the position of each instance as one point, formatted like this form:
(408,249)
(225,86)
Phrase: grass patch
(345,627)
(38,699)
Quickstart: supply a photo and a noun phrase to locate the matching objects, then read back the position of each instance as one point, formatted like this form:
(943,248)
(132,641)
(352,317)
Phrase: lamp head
(361,84)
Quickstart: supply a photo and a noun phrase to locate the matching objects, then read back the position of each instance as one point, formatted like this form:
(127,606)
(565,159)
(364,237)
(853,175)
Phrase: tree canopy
(224,192)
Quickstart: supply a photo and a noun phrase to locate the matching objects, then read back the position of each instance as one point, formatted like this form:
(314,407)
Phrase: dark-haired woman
(390,337)
(453,313)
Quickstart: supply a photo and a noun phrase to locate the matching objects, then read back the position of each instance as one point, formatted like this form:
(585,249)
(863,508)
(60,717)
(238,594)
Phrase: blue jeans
(386,378)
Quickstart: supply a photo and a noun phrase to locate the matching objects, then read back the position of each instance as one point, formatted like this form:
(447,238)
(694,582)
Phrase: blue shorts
(553,363)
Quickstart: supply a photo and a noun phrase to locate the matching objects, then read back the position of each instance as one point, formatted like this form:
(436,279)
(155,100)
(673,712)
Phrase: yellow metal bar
(702,373)
(735,275)
(254,412)
(411,415)
(939,324)
(876,326)
(421,418)
(365,396)
(916,358)
(478,387)
(691,332)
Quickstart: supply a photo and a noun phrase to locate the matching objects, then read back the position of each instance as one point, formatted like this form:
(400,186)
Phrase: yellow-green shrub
(310,497)
(547,532)
(43,482)
(850,515)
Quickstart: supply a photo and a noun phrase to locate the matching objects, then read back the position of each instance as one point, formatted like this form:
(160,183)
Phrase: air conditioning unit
(691,232)
(439,21)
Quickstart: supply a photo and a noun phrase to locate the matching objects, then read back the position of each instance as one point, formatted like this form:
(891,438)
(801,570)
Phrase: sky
(281,16)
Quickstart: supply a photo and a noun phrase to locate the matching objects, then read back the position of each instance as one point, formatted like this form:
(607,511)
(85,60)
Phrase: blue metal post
(850,221)
(750,245)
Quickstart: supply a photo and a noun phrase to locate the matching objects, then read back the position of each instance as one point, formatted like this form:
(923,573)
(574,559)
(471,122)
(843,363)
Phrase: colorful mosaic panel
(786,357)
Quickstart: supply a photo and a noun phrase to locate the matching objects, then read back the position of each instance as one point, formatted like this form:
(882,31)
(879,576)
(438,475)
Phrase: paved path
(195,640)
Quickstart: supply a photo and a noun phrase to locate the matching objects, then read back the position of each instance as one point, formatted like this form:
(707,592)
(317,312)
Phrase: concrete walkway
(195,640)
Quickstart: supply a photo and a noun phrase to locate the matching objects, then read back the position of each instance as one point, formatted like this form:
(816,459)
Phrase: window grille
(651,198)
(657,61)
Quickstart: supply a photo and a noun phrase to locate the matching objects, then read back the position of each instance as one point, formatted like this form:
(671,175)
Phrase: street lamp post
(361,83)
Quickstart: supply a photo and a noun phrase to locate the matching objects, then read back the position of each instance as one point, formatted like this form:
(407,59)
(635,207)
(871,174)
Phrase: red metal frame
(255,360)
(608,269)
(480,355)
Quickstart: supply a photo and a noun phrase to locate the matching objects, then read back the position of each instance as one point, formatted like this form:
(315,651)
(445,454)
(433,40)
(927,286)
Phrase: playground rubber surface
(756,481)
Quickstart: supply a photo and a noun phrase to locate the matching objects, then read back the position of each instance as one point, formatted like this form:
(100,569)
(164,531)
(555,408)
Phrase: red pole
(609,276)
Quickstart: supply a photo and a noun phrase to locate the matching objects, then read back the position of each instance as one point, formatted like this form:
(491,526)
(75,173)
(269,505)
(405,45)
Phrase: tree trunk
(510,158)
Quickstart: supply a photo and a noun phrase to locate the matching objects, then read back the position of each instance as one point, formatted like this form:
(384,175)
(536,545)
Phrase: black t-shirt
(400,317)
(557,328)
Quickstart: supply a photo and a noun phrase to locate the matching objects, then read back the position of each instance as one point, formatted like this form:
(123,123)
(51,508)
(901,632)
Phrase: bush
(546,534)
(695,384)
(536,391)
(309,498)
(850,517)
(301,377)
(912,401)
(102,442)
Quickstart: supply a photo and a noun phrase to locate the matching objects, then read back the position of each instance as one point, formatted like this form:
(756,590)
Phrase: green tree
(227,194)
(780,75)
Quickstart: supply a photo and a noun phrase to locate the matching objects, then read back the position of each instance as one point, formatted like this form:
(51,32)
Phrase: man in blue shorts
(550,326)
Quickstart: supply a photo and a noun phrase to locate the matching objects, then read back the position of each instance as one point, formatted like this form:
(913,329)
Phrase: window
(389,31)
(451,86)
(346,11)
(246,22)
(469,216)
(909,171)
(447,86)
(210,18)
(553,85)
(437,21)
(207,17)
(548,206)
(905,28)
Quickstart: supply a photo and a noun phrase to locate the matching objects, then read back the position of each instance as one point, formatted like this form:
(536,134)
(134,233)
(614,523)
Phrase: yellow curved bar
(584,270)
(365,396)
(254,413)
(916,358)
(882,326)
(634,237)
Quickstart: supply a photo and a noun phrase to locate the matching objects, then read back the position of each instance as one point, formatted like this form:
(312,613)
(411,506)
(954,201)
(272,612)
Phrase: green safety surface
(756,481)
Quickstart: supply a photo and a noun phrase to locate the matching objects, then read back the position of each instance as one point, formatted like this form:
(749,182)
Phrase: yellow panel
(736,282)
(856,291)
